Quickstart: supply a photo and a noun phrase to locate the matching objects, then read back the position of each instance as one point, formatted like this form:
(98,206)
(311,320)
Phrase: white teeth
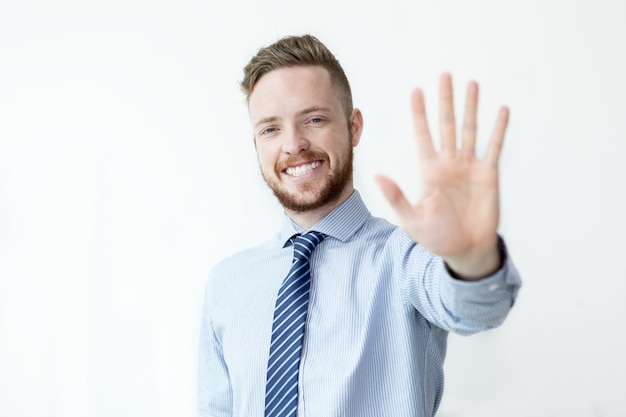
(302,169)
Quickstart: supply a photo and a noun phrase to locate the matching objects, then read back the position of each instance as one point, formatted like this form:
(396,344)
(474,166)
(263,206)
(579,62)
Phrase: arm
(459,306)
(457,215)
(214,391)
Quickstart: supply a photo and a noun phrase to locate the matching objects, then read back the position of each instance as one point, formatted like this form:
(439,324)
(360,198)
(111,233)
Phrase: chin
(316,194)
(299,204)
(305,201)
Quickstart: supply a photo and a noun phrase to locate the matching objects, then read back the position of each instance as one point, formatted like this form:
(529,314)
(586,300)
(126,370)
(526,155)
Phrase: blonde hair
(292,51)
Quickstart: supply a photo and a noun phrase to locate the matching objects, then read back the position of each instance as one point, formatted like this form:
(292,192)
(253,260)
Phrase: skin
(457,214)
(298,118)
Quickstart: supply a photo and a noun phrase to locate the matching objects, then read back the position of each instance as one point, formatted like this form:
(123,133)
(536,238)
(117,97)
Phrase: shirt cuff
(505,277)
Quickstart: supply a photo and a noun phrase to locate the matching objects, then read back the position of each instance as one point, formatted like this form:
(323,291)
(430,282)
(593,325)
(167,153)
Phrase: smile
(302,169)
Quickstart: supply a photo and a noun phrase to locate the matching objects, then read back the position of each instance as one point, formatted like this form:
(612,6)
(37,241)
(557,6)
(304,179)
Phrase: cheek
(339,148)
(266,157)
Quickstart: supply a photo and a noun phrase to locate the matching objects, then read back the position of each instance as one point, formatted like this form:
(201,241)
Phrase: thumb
(394,196)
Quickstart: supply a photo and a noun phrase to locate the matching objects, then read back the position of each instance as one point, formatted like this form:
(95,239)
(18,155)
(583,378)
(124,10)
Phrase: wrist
(477,265)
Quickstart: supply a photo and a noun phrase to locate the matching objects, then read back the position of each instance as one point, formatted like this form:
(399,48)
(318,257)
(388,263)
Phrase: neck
(306,219)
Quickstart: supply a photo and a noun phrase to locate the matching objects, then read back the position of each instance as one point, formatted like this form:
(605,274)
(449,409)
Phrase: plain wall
(127,170)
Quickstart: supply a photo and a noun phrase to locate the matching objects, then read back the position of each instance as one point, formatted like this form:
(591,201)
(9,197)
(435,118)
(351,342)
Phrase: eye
(267,131)
(316,120)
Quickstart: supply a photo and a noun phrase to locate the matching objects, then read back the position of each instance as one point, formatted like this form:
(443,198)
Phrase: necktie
(281,394)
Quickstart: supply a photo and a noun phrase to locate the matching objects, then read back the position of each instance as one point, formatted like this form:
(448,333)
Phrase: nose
(295,141)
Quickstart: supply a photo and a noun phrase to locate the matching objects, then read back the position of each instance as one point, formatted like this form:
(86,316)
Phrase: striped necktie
(281,394)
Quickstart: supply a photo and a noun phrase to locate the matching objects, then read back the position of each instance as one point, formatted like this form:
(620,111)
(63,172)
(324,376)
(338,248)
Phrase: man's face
(302,137)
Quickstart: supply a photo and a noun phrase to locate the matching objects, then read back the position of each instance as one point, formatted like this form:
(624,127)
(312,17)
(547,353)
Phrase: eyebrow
(266,120)
(307,110)
(313,109)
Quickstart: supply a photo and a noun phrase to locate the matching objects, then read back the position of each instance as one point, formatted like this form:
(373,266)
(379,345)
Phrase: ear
(356,126)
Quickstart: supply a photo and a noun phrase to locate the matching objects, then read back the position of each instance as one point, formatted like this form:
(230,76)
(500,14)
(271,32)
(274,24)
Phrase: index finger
(423,139)
(497,137)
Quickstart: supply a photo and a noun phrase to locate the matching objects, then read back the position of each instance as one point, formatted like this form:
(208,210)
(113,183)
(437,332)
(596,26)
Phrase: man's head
(298,51)
(303,131)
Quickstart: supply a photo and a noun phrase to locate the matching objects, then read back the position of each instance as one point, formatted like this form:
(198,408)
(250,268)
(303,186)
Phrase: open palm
(457,214)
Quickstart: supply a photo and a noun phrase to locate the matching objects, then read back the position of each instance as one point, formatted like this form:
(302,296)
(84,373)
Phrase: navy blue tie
(281,390)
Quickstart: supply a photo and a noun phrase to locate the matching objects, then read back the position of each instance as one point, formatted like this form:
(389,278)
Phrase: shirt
(381,307)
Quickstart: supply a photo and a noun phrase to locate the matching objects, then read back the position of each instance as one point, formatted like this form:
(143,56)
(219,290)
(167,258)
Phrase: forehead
(288,90)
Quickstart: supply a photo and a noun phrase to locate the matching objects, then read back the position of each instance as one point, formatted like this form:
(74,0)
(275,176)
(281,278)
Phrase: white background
(127,170)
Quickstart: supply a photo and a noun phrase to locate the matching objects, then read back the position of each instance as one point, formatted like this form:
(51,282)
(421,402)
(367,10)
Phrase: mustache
(305,157)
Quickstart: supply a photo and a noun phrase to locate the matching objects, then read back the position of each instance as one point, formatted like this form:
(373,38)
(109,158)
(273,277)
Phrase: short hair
(294,51)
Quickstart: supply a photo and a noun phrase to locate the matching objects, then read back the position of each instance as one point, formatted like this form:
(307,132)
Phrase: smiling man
(341,313)
(304,140)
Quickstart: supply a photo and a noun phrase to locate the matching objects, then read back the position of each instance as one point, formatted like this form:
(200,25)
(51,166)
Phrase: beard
(315,195)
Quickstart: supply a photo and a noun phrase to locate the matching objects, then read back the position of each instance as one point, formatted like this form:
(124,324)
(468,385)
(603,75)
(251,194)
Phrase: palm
(458,208)
(458,212)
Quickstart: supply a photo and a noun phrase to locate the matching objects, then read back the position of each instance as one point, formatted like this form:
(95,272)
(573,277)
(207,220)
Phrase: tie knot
(303,245)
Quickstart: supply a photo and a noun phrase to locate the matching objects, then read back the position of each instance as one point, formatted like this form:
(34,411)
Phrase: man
(370,323)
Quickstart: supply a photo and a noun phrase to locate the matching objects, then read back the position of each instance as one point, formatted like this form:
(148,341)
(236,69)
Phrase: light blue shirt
(380,311)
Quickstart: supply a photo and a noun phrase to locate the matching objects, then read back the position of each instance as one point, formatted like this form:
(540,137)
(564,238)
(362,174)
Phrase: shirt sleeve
(462,307)
(214,391)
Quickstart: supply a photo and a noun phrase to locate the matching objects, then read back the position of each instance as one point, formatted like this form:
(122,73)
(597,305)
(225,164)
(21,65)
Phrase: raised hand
(457,214)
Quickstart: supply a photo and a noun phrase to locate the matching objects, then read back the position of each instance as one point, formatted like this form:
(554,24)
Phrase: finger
(394,196)
(469,119)
(497,138)
(423,139)
(446,114)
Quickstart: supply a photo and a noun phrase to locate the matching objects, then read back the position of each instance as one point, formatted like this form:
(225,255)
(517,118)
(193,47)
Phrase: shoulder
(376,240)
(379,229)
(242,274)
(243,260)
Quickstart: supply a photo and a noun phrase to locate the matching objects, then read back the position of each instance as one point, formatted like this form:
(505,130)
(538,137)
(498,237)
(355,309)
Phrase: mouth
(301,170)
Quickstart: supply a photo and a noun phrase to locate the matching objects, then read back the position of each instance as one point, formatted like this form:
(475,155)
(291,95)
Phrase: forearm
(482,303)
(457,305)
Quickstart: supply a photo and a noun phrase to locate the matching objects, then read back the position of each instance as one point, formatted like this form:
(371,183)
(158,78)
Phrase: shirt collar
(341,223)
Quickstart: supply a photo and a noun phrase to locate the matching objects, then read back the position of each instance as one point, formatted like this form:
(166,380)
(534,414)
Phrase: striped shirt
(380,311)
